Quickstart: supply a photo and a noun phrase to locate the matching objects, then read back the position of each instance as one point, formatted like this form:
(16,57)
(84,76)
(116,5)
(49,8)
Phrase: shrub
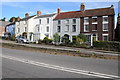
(56,38)
(40,41)
(107,45)
(46,40)
(83,37)
(13,37)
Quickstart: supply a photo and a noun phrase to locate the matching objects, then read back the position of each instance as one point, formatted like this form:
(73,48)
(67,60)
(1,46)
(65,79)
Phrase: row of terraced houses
(96,24)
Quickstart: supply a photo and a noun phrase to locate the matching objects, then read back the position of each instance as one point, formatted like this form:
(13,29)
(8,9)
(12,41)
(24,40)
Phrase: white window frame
(85,28)
(67,21)
(67,28)
(103,27)
(103,19)
(105,35)
(85,20)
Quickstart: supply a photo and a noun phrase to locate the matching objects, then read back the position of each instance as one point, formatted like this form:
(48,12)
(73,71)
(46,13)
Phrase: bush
(107,45)
(40,41)
(46,40)
(13,37)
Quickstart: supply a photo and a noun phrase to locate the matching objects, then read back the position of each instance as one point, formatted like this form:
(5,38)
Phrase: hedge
(107,45)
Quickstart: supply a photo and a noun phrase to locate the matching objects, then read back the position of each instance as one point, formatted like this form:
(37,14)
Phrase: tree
(3,19)
(83,37)
(79,41)
(12,19)
(56,38)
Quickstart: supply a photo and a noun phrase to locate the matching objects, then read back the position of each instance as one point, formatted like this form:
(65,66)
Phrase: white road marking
(61,68)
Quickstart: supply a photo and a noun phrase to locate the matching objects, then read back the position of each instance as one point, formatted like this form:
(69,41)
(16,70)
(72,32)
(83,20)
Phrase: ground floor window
(105,37)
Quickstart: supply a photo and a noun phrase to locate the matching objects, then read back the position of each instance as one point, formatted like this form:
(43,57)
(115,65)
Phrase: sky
(15,9)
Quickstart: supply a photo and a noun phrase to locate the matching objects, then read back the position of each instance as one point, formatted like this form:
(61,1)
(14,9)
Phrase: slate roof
(86,13)
(42,16)
(26,18)
(3,23)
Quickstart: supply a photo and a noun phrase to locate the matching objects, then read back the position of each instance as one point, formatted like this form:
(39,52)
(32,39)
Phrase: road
(26,64)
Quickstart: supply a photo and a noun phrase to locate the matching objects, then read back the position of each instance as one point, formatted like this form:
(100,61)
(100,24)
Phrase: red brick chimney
(82,7)
(26,15)
(18,19)
(39,13)
(13,19)
(58,10)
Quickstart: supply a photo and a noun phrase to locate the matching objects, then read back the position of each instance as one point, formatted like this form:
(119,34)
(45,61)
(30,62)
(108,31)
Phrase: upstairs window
(47,20)
(59,22)
(105,27)
(66,28)
(94,19)
(58,29)
(67,21)
(47,28)
(86,28)
(39,21)
(105,18)
(86,20)
(74,20)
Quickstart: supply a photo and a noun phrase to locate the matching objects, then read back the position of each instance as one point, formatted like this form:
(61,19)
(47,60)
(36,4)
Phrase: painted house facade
(3,27)
(25,27)
(67,23)
(10,28)
(96,24)
(43,26)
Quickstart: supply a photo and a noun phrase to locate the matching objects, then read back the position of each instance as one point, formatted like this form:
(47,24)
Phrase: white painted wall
(42,28)
(63,24)
(21,25)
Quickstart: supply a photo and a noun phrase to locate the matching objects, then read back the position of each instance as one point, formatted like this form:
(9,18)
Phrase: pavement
(26,64)
(82,50)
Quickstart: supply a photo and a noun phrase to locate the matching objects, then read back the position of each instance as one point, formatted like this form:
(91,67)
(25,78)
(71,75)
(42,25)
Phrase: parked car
(21,39)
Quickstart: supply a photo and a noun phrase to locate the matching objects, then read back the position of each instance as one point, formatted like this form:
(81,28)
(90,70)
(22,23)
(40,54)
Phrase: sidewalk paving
(82,50)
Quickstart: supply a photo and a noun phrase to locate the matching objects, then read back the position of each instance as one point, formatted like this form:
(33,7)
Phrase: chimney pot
(58,10)
(13,19)
(26,15)
(82,7)
(39,13)
(18,19)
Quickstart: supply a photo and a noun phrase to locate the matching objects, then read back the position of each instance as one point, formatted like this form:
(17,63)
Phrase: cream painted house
(43,26)
(25,26)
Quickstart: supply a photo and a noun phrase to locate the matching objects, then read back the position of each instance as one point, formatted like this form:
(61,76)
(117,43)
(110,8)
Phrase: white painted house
(25,26)
(67,23)
(43,26)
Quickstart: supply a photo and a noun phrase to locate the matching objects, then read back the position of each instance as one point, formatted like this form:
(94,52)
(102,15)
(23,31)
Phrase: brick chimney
(26,15)
(13,19)
(58,10)
(18,19)
(39,13)
(82,7)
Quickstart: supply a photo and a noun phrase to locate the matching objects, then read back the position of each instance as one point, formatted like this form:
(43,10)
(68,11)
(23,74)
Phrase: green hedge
(107,45)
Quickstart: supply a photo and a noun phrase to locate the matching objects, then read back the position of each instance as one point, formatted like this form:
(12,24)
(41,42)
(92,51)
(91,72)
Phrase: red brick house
(96,24)
(117,30)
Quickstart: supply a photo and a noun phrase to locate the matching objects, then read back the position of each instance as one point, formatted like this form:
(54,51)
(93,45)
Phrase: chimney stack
(26,15)
(13,19)
(58,10)
(18,19)
(82,7)
(38,13)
